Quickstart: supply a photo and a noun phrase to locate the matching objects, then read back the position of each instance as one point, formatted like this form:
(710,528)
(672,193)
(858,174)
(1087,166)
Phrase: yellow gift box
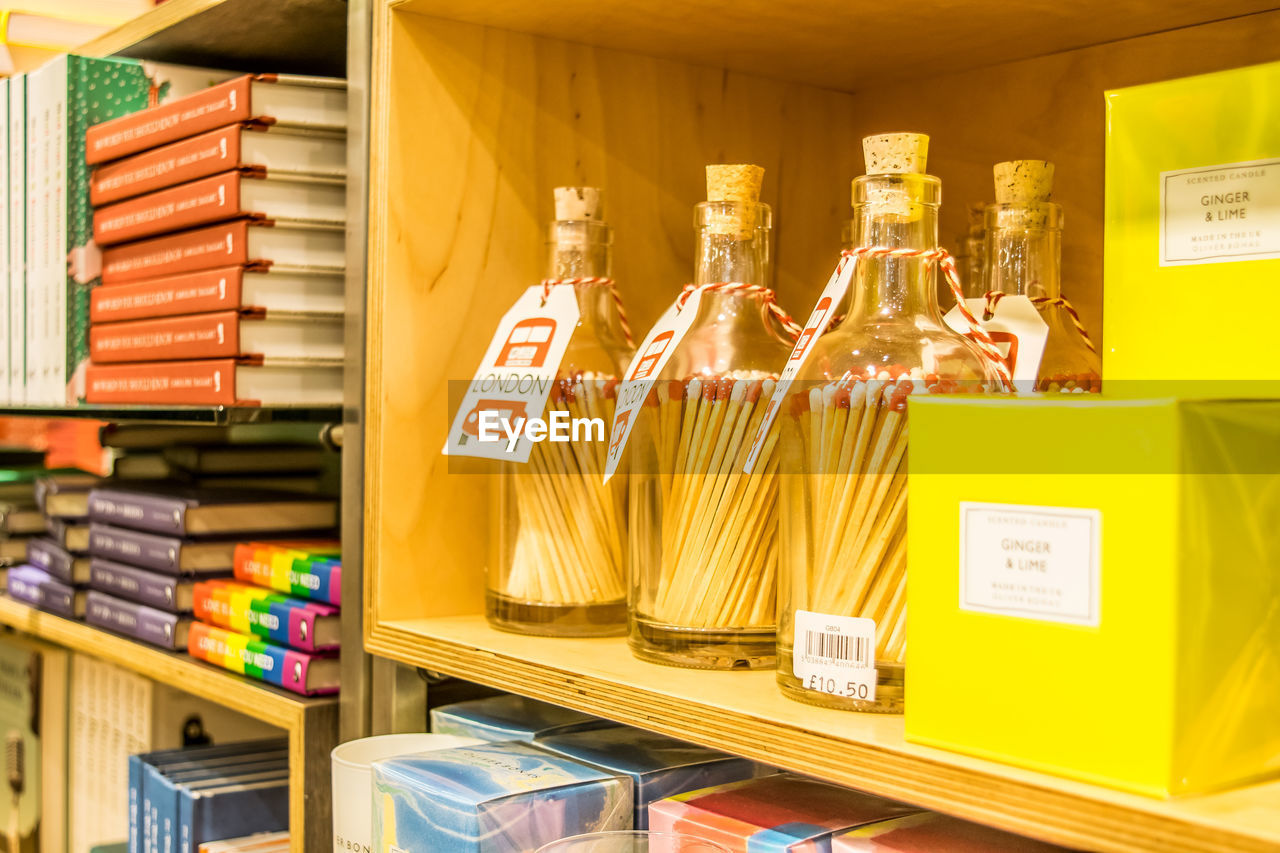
(1095,590)
(1192,226)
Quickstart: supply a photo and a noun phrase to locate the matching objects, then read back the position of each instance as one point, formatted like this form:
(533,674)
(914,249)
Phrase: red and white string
(770,300)
(948,266)
(596,281)
(993,298)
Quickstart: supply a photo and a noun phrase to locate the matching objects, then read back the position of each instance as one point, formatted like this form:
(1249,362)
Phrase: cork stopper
(737,183)
(1023,181)
(896,153)
(578,203)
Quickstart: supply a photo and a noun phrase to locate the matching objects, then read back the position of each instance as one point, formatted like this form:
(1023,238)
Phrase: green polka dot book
(64,99)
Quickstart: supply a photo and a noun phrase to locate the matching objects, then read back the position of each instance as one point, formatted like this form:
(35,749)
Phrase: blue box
(659,766)
(497,798)
(508,717)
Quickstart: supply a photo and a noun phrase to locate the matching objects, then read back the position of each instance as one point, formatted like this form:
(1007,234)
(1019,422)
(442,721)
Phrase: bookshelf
(479,108)
(283,36)
(311,724)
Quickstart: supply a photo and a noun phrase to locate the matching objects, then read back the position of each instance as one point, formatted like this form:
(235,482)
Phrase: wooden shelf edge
(146,25)
(239,693)
(1033,804)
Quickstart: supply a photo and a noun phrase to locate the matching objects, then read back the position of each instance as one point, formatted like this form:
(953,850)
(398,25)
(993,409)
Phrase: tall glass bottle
(842,528)
(971,259)
(704,555)
(558,557)
(1024,258)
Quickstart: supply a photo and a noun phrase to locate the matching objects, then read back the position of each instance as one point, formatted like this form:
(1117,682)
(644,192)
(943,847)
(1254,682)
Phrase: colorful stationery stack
(180,799)
(48,259)
(222,221)
(151,544)
(278,621)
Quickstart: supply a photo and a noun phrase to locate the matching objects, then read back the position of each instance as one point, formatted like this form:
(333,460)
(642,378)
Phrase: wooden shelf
(838,44)
(744,713)
(284,36)
(311,723)
(199,415)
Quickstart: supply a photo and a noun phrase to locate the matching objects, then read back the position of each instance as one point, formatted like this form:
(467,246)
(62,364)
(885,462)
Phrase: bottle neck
(578,249)
(1024,250)
(898,213)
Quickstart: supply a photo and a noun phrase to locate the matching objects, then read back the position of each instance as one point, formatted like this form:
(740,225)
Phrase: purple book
(61,564)
(35,587)
(184,511)
(166,630)
(169,554)
(171,593)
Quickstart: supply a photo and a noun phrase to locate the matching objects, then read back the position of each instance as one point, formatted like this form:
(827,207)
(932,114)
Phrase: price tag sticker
(653,354)
(515,376)
(819,319)
(835,654)
(1016,328)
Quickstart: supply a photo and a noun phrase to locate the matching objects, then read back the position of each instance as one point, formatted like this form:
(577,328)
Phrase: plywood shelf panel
(842,45)
(744,713)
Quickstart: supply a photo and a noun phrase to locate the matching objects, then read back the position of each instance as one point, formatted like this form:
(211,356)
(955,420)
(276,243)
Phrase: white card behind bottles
(1016,327)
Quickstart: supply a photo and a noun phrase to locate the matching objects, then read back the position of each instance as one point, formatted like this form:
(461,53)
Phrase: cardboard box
(1192,222)
(773,814)
(1098,595)
(497,798)
(659,766)
(509,717)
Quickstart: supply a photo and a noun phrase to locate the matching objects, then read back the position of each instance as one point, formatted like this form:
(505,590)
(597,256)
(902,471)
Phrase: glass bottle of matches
(703,545)
(1024,258)
(557,557)
(844,440)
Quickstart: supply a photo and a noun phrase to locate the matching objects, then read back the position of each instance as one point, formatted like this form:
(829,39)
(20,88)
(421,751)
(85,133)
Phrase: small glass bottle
(1024,251)
(971,259)
(842,573)
(558,557)
(704,553)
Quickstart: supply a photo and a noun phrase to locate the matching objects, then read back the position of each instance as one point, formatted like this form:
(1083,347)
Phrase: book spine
(135,803)
(36,233)
(192,383)
(142,623)
(249,567)
(134,584)
(190,251)
(247,656)
(57,310)
(188,205)
(138,549)
(191,293)
(44,594)
(17,236)
(215,335)
(138,511)
(215,107)
(52,559)
(6,297)
(320,580)
(186,160)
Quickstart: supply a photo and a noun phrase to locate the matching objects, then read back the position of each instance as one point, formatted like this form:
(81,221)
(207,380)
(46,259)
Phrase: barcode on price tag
(835,654)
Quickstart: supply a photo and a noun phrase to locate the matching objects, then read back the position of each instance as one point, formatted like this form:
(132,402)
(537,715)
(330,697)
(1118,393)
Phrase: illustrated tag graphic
(515,377)
(1016,328)
(645,366)
(818,321)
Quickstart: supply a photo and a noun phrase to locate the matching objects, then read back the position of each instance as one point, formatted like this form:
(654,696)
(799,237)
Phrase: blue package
(659,766)
(508,717)
(217,813)
(497,798)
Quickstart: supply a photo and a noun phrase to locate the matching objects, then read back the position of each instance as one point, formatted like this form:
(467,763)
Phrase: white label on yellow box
(1217,214)
(835,654)
(1033,562)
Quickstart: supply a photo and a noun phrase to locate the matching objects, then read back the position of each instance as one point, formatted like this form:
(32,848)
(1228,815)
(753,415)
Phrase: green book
(64,99)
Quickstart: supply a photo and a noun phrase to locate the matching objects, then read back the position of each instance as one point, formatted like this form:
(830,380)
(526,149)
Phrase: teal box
(510,717)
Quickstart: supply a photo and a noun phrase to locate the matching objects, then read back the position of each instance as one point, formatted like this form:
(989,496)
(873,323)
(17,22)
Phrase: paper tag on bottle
(1016,327)
(654,353)
(835,654)
(515,377)
(819,319)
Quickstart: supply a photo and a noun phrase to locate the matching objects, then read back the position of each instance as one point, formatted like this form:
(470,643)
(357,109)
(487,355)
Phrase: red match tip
(675,388)
(753,391)
(799,404)
(611,388)
(842,398)
(725,389)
